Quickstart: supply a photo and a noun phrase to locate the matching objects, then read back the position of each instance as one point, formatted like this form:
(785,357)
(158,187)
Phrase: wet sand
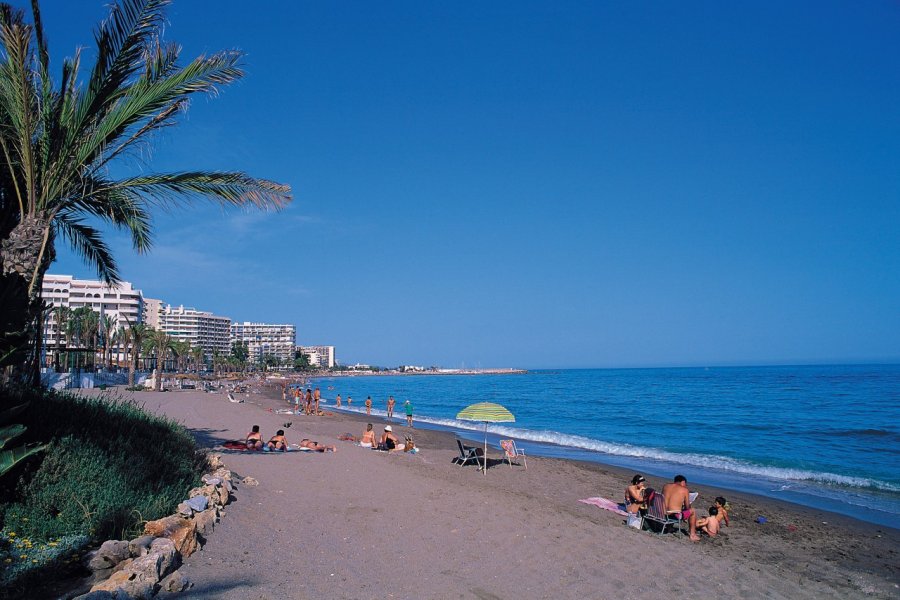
(363,524)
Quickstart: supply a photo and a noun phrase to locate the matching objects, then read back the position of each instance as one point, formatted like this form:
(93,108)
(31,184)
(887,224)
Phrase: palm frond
(236,189)
(121,207)
(86,242)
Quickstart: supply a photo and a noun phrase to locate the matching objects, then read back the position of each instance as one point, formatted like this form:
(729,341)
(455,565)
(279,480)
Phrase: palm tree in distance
(59,140)
(160,343)
(137,332)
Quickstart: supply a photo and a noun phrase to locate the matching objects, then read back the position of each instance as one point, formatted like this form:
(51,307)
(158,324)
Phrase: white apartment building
(264,338)
(152,310)
(121,302)
(198,328)
(320,356)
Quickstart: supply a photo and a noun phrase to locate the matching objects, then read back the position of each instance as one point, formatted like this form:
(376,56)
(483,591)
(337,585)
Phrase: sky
(539,184)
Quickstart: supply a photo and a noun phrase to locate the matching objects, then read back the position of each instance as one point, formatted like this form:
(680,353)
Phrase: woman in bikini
(634,494)
(254,439)
(368,438)
(277,442)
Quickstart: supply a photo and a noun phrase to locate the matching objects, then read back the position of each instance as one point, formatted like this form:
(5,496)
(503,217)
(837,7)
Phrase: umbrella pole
(484,458)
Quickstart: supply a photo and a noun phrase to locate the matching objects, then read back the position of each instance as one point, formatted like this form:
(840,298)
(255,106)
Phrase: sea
(827,437)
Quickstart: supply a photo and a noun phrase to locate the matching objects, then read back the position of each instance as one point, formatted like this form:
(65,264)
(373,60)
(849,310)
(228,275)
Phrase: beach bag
(634,520)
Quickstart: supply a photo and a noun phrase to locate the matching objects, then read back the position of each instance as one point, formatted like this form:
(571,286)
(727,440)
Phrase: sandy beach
(363,524)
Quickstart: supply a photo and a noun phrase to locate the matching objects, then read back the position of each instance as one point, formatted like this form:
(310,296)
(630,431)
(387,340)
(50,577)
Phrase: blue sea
(822,436)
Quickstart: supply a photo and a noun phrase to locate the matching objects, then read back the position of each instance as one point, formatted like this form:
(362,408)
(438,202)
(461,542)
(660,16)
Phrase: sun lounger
(512,452)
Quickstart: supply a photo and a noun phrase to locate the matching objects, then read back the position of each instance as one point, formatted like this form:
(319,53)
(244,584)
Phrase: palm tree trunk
(25,256)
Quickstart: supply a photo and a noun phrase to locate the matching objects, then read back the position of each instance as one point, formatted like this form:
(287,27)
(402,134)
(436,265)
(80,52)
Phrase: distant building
(264,338)
(200,329)
(121,302)
(319,356)
(152,310)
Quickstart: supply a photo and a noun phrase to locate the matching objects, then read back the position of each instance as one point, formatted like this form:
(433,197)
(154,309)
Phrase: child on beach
(254,439)
(722,507)
(710,524)
(277,442)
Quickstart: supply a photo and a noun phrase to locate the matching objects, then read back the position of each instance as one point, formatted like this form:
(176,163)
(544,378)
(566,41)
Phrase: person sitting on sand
(254,439)
(389,441)
(368,438)
(710,524)
(634,494)
(722,508)
(277,442)
(305,443)
(678,503)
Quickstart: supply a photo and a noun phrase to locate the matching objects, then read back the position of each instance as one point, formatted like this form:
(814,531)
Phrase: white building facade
(319,356)
(265,338)
(199,328)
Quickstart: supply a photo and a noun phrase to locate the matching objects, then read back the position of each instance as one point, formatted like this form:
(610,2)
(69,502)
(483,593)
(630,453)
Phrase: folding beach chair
(656,513)
(512,452)
(467,453)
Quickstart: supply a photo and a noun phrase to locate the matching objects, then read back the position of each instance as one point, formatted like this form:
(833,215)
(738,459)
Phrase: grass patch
(110,467)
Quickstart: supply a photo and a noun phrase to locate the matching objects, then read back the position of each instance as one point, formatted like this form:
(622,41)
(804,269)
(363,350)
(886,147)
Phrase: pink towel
(605,504)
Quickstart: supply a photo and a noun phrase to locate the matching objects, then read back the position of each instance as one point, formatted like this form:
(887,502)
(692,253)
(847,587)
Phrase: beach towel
(606,504)
(242,446)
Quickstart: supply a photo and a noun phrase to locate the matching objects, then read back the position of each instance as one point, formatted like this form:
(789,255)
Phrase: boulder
(198,503)
(211,480)
(127,585)
(140,546)
(166,549)
(174,582)
(206,521)
(214,461)
(101,595)
(164,527)
(184,509)
(249,481)
(110,553)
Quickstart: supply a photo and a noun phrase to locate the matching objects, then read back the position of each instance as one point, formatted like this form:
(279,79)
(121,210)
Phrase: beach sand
(363,524)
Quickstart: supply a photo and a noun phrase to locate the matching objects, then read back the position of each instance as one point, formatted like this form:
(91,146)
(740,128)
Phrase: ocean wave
(697,460)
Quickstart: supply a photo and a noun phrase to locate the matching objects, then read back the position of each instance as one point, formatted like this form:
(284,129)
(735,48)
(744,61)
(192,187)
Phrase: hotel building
(199,328)
(320,356)
(263,339)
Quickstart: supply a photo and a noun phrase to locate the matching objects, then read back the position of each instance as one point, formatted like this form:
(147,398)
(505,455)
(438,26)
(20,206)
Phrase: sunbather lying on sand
(254,439)
(305,443)
(277,442)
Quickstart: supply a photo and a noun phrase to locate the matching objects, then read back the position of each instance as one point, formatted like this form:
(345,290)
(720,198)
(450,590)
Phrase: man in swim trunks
(678,503)
(317,395)
(390,407)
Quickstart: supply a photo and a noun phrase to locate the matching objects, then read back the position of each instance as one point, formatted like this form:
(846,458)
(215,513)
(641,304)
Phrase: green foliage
(109,466)
(10,457)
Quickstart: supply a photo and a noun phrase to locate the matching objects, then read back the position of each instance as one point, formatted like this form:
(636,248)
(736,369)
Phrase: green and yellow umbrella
(488,412)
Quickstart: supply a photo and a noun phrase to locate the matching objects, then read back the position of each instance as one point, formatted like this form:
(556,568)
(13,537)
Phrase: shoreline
(423,506)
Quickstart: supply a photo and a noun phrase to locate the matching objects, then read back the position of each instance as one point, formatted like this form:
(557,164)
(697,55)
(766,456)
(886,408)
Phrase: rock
(165,526)
(249,481)
(111,553)
(165,548)
(198,503)
(174,582)
(211,480)
(222,473)
(185,509)
(185,538)
(214,461)
(140,546)
(206,521)
(100,595)
(228,485)
(127,585)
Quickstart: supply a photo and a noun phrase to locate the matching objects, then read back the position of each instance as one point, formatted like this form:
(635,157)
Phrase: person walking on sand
(369,405)
(409,413)
(390,407)
(678,503)
(317,395)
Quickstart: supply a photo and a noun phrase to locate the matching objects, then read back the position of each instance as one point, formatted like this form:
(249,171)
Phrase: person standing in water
(390,407)
(409,413)
(369,405)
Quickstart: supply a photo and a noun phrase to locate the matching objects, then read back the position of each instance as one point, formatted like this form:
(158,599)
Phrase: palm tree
(136,334)
(61,315)
(197,355)
(108,336)
(59,142)
(181,349)
(160,343)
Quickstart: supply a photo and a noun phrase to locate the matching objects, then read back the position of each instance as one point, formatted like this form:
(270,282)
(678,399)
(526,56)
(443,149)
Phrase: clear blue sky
(542,184)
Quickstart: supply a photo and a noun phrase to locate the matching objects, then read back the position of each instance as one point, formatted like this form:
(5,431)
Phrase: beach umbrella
(487,412)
